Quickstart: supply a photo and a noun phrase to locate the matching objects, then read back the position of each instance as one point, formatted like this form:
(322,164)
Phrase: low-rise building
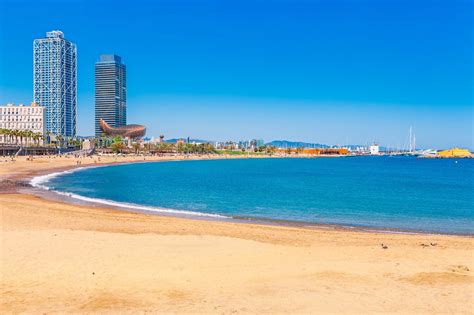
(374,149)
(88,144)
(314,151)
(23,118)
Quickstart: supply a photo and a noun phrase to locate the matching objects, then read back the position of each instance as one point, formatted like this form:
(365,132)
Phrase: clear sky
(332,72)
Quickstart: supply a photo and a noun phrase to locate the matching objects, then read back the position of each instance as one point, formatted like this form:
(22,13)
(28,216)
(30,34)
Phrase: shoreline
(44,192)
(59,257)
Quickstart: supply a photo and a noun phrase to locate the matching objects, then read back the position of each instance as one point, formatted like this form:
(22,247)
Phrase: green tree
(37,137)
(117,147)
(9,135)
(3,132)
(59,139)
(180,147)
(269,149)
(136,147)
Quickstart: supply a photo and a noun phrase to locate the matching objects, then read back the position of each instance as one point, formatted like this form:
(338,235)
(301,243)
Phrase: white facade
(88,144)
(22,117)
(374,149)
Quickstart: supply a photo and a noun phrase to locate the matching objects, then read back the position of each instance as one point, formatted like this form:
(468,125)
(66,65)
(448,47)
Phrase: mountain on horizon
(283,144)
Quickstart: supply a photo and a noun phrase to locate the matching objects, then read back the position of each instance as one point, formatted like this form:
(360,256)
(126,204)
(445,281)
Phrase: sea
(377,192)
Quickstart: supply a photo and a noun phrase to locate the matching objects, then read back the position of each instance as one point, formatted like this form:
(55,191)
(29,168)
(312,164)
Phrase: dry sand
(63,258)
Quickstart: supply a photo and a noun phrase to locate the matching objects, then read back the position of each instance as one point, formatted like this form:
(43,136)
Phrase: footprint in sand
(459,268)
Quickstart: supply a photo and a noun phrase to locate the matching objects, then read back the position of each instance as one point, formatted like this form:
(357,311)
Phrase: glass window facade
(55,82)
(110,92)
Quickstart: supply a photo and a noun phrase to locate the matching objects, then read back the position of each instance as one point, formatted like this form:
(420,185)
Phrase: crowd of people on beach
(111,158)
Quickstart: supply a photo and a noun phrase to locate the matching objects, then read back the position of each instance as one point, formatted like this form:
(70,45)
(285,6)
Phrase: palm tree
(7,134)
(136,147)
(21,134)
(165,147)
(48,137)
(40,137)
(117,146)
(160,147)
(3,132)
(29,137)
(33,138)
(16,133)
(59,139)
(11,135)
(180,147)
(36,138)
(25,134)
(148,147)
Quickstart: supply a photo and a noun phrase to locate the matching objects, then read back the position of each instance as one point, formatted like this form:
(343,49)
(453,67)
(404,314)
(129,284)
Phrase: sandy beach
(65,258)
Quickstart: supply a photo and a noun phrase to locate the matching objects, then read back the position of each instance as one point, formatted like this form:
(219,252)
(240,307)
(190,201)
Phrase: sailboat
(411,150)
(412,144)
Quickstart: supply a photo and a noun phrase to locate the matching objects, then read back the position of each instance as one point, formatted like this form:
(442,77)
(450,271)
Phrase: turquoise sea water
(379,192)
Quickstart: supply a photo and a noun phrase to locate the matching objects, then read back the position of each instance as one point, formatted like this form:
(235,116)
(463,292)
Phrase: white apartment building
(22,117)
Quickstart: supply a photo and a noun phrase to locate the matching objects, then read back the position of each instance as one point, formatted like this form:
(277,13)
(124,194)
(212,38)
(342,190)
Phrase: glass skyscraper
(55,82)
(110,92)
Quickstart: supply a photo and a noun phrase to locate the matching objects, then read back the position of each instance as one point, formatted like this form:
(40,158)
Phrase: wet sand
(60,257)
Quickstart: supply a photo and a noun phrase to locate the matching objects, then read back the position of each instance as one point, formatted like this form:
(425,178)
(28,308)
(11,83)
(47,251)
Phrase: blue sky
(332,72)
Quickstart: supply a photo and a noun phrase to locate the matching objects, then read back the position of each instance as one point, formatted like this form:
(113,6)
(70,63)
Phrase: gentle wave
(40,181)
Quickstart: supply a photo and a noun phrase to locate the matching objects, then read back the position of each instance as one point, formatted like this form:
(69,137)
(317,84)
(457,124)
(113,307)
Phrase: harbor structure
(374,149)
(455,152)
(110,92)
(314,151)
(22,118)
(55,82)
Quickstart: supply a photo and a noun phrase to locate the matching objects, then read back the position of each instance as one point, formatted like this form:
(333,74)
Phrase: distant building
(55,82)
(374,149)
(88,144)
(110,92)
(455,152)
(154,140)
(314,151)
(22,117)
(242,144)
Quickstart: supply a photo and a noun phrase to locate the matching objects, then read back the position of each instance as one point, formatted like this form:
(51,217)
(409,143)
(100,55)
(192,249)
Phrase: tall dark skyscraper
(110,92)
(55,82)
